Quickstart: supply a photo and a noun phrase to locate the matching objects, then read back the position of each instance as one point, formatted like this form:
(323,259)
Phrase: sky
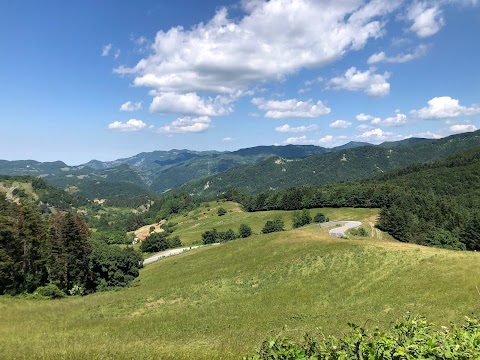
(109,79)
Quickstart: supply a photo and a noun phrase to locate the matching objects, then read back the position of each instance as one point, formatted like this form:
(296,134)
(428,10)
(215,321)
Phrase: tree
(244,231)
(228,235)
(210,237)
(301,218)
(273,226)
(221,211)
(154,243)
(174,242)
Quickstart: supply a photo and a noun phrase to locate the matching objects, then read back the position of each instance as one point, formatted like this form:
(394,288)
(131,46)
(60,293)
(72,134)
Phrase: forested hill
(344,165)
(434,204)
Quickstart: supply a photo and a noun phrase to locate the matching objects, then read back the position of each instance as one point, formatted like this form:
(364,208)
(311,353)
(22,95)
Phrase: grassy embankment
(221,302)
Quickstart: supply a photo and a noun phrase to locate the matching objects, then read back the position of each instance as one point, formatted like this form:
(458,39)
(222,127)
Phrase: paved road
(171,252)
(340,231)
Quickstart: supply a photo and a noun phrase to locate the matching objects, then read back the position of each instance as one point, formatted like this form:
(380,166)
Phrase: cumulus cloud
(326,139)
(289,129)
(272,40)
(106,49)
(372,84)
(187,125)
(427,18)
(445,107)
(291,108)
(130,125)
(364,127)
(130,106)
(420,51)
(189,104)
(299,140)
(364,117)
(398,120)
(341,124)
(377,135)
(463,128)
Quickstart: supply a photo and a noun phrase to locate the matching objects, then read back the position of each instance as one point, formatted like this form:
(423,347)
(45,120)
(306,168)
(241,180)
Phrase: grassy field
(222,301)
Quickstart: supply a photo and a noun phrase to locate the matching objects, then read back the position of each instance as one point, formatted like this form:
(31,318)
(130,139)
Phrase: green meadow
(222,301)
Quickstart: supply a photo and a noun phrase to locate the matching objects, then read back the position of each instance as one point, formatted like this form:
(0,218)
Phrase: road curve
(340,231)
(171,252)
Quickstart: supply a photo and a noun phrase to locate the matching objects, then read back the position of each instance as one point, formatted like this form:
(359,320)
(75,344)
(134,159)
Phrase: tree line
(39,249)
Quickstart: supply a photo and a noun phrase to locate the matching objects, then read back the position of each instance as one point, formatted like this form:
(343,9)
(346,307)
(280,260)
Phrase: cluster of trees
(214,236)
(38,249)
(273,226)
(160,241)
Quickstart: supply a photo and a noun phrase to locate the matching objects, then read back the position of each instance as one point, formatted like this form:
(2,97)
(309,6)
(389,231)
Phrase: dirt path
(171,252)
(340,231)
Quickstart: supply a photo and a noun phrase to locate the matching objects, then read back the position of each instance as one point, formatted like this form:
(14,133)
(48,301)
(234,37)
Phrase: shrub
(244,231)
(51,291)
(273,226)
(361,232)
(228,235)
(301,218)
(412,337)
(174,242)
(320,218)
(210,237)
(221,211)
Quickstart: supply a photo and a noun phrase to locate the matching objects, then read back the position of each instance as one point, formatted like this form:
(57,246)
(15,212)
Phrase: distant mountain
(252,169)
(341,165)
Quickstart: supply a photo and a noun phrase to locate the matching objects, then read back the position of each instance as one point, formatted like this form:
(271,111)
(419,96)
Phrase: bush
(228,235)
(174,242)
(221,211)
(320,218)
(210,237)
(301,218)
(273,226)
(361,232)
(244,231)
(51,291)
(412,337)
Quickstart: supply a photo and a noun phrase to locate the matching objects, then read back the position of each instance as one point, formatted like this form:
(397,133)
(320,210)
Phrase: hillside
(344,165)
(221,302)
(156,171)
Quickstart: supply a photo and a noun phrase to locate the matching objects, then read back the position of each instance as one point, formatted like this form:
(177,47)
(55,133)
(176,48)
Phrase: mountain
(253,169)
(341,165)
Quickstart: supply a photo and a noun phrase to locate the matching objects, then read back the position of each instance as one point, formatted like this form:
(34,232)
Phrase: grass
(191,226)
(222,301)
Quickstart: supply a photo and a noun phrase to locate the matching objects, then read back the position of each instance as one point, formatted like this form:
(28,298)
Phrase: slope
(220,302)
(344,165)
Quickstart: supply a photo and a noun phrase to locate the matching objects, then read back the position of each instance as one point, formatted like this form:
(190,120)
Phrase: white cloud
(299,140)
(428,135)
(189,104)
(427,18)
(398,120)
(341,124)
(364,117)
(445,107)
(420,51)
(272,40)
(291,108)
(187,125)
(106,49)
(130,125)
(372,84)
(364,127)
(227,139)
(117,53)
(463,128)
(288,129)
(378,135)
(129,106)
(326,139)
(376,121)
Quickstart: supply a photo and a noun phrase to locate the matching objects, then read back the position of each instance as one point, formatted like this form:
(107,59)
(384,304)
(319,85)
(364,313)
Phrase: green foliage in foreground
(412,337)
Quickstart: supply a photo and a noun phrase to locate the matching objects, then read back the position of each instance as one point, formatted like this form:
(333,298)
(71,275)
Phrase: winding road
(171,252)
(340,231)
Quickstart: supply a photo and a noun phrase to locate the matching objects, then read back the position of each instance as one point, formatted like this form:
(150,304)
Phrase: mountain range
(253,169)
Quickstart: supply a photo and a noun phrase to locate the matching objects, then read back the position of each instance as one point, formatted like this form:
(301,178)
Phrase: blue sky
(108,79)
